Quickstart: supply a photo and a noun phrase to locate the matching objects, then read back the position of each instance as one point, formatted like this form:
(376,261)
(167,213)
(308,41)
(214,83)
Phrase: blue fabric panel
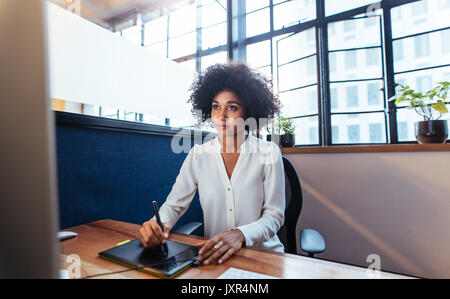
(115,175)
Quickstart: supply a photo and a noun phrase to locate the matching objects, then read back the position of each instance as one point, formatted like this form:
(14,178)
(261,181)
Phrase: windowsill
(368,148)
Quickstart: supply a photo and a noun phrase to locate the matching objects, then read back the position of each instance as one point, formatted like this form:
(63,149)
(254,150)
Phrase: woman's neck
(231,144)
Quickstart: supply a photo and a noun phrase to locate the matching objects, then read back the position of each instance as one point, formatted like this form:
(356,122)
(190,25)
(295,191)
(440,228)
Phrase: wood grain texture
(101,235)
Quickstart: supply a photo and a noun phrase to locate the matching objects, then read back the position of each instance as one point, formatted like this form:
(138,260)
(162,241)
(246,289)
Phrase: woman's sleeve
(182,193)
(272,217)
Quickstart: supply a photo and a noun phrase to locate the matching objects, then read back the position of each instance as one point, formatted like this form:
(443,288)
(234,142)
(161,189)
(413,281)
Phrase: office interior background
(334,65)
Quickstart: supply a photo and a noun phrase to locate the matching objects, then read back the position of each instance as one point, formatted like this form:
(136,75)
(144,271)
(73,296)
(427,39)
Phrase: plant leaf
(440,107)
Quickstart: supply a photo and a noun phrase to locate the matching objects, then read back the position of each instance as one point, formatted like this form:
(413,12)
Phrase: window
(421,46)
(356,77)
(213,24)
(402,128)
(445,41)
(288,13)
(419,8)
(332,62)
(352,96)
(220,57)
(337,6)
(373,94)
(349,26)
(423,83)
(258,22)
(297,84)
(335,134)
(334,98)
(155,31)
(350,60)
(259,54)
(252,5)
(282,45)
(373,57)
(421,27)
(353,134)
(376,133)
(398,50)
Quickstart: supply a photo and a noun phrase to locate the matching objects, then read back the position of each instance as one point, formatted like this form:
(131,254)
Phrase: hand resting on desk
(221,247)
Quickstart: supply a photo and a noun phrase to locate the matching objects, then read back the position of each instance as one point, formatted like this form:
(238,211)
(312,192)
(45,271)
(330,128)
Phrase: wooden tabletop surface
(104,234)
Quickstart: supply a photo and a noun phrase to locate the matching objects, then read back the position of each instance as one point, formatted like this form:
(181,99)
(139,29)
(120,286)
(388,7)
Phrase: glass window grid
(325,20)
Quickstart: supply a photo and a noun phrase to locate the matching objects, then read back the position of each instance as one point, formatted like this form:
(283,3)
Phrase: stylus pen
(158,220)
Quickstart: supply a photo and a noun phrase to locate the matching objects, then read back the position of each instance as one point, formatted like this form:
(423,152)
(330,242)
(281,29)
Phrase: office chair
(311,241)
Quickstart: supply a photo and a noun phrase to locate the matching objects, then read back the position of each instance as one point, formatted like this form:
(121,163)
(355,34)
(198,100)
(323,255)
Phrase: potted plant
(431,106)
(286,132)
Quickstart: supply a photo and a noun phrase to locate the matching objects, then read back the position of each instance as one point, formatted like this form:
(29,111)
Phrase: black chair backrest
(294,202)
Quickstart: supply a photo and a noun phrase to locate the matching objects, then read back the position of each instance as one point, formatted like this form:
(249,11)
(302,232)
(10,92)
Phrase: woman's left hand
(221,247)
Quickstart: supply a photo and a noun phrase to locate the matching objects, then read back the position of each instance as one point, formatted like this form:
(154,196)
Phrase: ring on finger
(218,245)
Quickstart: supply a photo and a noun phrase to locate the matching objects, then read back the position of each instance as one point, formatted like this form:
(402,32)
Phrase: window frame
(323,64)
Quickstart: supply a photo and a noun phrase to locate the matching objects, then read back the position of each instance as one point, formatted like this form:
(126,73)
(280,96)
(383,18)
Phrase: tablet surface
(153,260)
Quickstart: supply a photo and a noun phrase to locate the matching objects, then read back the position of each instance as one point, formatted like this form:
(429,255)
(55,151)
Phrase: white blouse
(253,200)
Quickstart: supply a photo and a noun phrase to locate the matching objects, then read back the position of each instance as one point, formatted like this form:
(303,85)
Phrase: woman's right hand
(151,235)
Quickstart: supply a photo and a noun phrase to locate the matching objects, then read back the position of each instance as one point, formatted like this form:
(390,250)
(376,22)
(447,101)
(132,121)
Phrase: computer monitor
(28,193)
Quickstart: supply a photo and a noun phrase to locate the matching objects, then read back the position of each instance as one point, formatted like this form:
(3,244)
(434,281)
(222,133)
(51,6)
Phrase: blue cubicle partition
(112,169)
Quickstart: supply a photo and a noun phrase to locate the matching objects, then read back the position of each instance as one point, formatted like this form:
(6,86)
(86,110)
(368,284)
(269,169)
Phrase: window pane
(426,50)
(299,102)
(406,120)
(421,16)
(183,45)
(423,80)
(293,12)
(336,6)
(296,46)
(183,20)
(266,71)
(209,60)
(398,51)
(356,96)
(360,36)
(353,64)
(306,130)
(252,5)
(359,128)
(298,74)
(214,36)
(155,31)
(258,22)
(213,14)
(259,54)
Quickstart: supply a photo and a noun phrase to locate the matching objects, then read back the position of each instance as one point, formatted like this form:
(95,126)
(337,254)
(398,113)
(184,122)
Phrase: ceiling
(118,14)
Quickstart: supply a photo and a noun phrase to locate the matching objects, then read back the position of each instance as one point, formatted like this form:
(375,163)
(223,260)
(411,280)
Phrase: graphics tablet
(153,260)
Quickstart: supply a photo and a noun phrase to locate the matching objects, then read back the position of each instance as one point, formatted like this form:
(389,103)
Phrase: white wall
(91,65)
(396,205)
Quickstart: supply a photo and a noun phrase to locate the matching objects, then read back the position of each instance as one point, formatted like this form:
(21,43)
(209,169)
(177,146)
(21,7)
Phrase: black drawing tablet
(153,260)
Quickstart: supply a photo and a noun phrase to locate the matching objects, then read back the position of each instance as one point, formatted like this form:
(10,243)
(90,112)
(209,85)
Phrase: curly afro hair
(252,88)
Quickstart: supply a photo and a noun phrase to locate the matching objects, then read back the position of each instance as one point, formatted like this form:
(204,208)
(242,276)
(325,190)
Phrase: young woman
(240,178)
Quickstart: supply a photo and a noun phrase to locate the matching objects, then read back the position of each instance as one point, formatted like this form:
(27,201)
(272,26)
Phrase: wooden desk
(101,235)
